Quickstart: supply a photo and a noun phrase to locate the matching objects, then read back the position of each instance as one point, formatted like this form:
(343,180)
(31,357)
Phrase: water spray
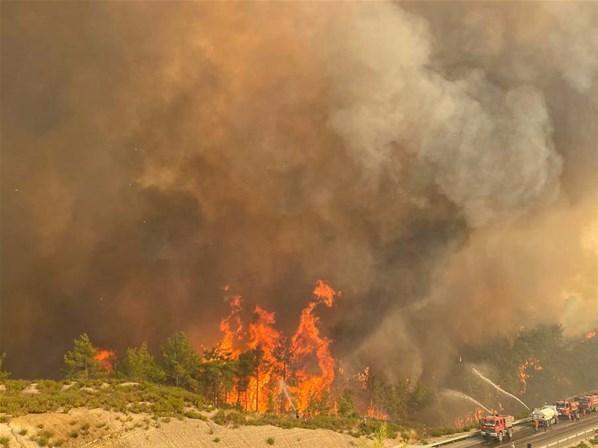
(456,393)
(285,390)
(476,371)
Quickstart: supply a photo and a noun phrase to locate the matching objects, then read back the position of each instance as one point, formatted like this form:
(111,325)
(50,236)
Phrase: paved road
(525,434)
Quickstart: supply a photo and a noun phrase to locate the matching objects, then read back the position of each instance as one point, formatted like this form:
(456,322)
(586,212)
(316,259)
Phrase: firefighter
(536,424)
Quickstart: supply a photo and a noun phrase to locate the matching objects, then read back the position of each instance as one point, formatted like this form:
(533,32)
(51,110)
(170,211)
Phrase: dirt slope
(99,429)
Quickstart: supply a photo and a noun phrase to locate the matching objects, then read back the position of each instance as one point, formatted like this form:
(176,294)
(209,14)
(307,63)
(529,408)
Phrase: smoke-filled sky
(435,161)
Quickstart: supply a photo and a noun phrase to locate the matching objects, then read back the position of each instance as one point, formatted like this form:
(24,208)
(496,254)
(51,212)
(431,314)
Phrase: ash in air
(436,161)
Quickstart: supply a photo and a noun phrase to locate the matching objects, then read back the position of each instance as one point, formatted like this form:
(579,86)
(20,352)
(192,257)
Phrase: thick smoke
(433,161)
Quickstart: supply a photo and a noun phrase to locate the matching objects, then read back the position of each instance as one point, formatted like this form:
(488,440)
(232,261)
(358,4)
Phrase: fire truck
(568,409)
(497,426)
(588,403)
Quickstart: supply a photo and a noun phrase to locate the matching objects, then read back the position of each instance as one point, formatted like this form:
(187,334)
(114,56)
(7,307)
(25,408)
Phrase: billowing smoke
(434,161)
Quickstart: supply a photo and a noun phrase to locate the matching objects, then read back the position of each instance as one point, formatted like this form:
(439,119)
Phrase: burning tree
(82,361)
(525,370)
(270,364)
(217,372)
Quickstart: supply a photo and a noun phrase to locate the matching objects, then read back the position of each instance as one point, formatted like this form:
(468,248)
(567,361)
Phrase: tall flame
(232,328)
(304,365)
(307,342)
(265,338)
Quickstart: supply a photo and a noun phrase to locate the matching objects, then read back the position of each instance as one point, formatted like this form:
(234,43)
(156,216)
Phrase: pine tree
(3,373)
(345,404)
(217,371)
(246,368)
(140,365)
(80,362)
(180,361)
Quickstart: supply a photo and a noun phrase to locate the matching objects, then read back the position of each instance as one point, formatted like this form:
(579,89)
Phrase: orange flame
(232,328)
(307,342)
(525,372)
(307,350)
(324,293)
(106,359)
(264,337)
(591,334)
(469,420)
(374,412)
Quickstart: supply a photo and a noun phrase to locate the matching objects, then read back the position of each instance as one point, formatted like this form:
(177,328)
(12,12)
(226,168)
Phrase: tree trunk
(257,390)
(284,383)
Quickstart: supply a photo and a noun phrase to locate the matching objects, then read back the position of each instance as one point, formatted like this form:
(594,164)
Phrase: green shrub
(216,439)
(4,442)
(165,401)
(230,418)
(270,441)
(194,415)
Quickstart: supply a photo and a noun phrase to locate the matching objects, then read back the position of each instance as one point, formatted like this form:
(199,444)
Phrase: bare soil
(101,429)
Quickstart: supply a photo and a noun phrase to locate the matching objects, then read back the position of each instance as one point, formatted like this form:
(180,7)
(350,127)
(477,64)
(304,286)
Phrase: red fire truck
(568,409)
(497,426)
(588,403)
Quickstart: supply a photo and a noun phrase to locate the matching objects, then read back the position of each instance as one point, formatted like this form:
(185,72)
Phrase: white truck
(546,416)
